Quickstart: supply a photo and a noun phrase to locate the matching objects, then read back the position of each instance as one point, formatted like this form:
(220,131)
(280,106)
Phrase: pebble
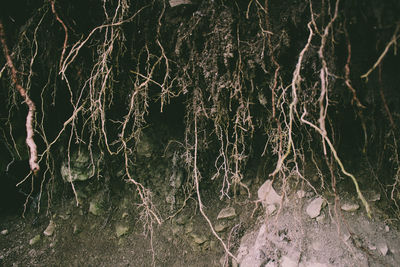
(350,207)
(227,213)
(199,239)
(50,229)
(121,230)
(301,193)
(34,240)
(4,232)
(314,208)
(383,248)
(267,194)
(219,227)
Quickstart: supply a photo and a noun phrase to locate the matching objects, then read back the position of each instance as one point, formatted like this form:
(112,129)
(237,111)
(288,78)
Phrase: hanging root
(31,105)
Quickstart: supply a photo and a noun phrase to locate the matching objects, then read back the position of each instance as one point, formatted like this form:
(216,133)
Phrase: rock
(76,229)
(4,232)
(34,240)
(375,197)
(144,147)
(79,167)
(256,255)
(124,215)
(387,228)
(321,218)
(314,208)
(219,227)
(371,247)
(50,229)
(383,248)
(288,262)
(121,230)
(226,213)
(95,207)
(174,3)
(198,239)
(350,207)
(63,217)
(301,193)
(267,195)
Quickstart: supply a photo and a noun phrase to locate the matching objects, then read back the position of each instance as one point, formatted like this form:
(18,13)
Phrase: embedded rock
(314,208)
(350,207)
(34,240)
(79,167)
(267,195)
(199,239)
(226,213)
(50,229)
(174,3)
(121,230)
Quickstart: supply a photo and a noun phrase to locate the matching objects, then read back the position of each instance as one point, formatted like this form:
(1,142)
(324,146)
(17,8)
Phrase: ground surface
(287,237)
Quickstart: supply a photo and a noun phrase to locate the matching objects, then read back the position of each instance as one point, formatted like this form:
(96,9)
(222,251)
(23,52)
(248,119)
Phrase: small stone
(375,197)
(314,208)
(321,218)
(301,193)
(121,230)
(227,213)
(350,207)
(4,232)
(76,229)
(63,217)
(199,239)
(34,240)
(95,208)
(213,245)
(371,247)
(50,229)
(383,248)
(387,228)
(174,3)
(219,227)
(267,194)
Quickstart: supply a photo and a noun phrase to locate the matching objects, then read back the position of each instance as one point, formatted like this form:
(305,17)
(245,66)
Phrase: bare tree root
(392,41)
(339,162)
(196,175)
(31,105)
